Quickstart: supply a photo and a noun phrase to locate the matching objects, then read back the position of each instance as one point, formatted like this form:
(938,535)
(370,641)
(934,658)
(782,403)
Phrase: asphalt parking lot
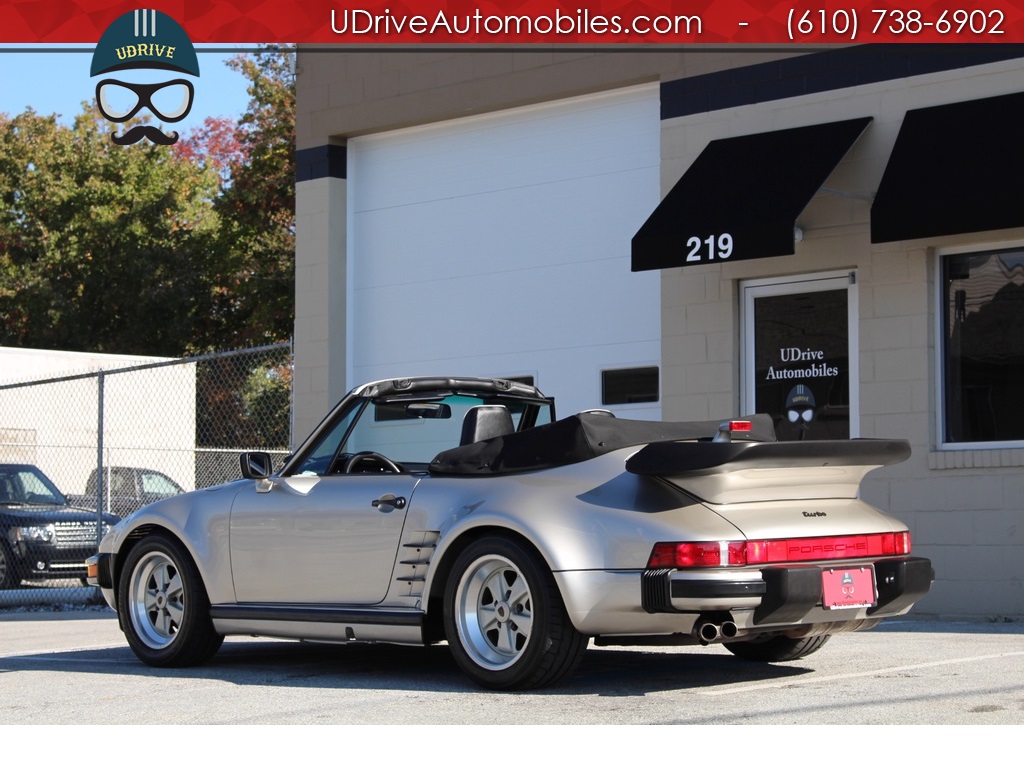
(75,668)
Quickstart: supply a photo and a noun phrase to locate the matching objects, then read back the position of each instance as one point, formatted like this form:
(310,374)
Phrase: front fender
(200,520)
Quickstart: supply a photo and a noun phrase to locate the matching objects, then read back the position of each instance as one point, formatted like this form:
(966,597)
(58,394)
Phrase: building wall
(321,268)
(963,506)
(342,95)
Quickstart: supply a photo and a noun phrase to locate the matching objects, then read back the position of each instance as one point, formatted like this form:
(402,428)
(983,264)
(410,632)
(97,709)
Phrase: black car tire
(166,609)
(504,619)
(8,566)
(777,648)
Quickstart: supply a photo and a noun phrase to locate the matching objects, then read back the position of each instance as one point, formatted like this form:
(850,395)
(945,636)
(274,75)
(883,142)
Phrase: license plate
(848,587)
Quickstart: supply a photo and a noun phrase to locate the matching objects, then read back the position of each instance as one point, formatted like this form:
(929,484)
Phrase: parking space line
(851,675)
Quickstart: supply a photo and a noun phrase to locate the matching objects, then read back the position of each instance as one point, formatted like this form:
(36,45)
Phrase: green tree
(257,206)
(102,247)
(244,402)
(148,249)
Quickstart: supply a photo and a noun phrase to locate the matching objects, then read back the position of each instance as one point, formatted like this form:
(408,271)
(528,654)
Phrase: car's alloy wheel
(156,600)
(495,611)
(165,605)
(504,618)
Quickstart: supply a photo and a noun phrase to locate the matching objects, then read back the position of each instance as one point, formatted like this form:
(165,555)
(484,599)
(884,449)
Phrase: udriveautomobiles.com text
(582,22)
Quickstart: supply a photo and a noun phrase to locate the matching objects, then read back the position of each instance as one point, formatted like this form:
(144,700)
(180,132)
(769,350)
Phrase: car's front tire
(779,648)
(166,610)
(504,618)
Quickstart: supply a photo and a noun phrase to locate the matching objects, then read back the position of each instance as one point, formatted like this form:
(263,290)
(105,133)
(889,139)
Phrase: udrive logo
(143,48)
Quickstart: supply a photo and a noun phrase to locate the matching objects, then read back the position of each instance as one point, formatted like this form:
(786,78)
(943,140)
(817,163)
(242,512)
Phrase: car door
(318,539)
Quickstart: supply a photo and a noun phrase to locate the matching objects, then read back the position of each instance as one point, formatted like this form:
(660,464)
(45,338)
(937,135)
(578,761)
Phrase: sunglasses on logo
(119,101)
(794,416)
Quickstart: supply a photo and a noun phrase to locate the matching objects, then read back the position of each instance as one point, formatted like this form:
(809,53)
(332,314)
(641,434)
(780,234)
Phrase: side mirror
(256,465)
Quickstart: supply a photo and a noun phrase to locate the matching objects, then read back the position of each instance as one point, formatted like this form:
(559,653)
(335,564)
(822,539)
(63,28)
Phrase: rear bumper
(780,595)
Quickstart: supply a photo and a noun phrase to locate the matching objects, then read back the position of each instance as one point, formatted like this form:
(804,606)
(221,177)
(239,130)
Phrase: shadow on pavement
(608,672)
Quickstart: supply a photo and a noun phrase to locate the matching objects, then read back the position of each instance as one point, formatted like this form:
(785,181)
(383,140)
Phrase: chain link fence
(80,451)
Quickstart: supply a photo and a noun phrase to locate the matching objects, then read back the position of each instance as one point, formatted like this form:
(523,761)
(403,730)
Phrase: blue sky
(51,82)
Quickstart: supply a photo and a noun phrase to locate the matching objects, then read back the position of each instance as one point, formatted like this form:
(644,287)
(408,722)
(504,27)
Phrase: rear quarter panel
(596,516)
(591,515)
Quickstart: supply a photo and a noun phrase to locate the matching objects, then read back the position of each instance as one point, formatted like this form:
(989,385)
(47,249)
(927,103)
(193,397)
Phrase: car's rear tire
(504,618)
(8,566)
(166,610)
(777,648)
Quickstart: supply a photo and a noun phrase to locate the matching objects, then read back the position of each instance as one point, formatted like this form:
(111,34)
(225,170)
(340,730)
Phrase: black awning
(955,168)
(742,196)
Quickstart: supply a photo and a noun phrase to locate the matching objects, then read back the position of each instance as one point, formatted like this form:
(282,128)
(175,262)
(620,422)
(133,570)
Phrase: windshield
(410,430)
(24,484)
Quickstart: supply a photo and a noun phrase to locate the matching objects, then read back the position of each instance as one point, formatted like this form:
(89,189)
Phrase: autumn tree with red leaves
(216,144)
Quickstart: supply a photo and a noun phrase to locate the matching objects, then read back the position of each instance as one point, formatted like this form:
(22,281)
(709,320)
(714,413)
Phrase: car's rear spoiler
(725,473)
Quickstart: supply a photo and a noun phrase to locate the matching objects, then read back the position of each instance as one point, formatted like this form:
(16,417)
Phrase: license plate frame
(852,587)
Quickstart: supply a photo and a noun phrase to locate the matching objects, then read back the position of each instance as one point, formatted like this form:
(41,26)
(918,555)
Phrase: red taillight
(690,554)
(766,551)
(726,428)
(902,543)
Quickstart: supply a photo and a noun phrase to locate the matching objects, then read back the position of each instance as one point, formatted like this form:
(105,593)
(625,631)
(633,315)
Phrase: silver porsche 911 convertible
(459,509)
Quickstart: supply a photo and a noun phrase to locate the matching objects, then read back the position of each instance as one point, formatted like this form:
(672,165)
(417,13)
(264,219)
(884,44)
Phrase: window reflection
(984,346)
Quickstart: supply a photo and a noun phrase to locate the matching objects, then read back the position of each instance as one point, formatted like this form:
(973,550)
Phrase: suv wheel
(7,567)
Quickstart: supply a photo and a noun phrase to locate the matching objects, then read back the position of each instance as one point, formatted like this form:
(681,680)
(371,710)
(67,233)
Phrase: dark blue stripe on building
(327,162)
(821,72)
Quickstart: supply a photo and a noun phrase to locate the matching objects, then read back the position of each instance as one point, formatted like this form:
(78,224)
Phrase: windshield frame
(336,431)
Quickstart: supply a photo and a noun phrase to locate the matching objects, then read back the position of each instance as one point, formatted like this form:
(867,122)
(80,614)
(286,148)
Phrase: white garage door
(500,246)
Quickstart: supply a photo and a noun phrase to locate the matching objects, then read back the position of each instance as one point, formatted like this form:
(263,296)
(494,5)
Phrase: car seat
(482,422)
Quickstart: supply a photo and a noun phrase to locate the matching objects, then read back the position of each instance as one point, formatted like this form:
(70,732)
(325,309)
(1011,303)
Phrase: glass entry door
(800,355)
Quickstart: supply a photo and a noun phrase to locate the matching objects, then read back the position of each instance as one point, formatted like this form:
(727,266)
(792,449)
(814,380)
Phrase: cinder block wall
(965,507)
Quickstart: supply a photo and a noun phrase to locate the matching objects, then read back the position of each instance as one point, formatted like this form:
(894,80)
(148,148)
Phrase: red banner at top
(524,22)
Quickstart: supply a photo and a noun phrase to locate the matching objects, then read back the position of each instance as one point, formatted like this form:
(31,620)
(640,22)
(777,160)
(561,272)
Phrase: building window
(983,346)
(629,385)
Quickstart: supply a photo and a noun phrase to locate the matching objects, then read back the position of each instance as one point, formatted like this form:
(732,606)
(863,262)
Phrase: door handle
(389,500)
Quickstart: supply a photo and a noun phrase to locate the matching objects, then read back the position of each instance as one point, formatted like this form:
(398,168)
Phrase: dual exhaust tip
(710,632)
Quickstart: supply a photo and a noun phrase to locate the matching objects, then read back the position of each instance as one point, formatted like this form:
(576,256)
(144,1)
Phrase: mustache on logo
(140,132)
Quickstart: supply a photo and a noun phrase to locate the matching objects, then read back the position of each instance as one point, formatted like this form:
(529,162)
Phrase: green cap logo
(144,39)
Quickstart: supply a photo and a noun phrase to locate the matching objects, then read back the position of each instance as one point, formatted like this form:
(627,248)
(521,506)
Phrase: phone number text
(893,23)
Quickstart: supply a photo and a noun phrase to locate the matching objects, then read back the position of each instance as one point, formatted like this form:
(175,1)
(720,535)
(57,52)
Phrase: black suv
(41,535)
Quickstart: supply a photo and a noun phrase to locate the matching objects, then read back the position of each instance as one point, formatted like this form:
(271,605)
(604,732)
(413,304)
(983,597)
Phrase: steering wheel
(385,464)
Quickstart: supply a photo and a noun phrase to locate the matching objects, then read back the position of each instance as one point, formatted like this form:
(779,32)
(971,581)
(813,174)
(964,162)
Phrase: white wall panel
(499,245)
